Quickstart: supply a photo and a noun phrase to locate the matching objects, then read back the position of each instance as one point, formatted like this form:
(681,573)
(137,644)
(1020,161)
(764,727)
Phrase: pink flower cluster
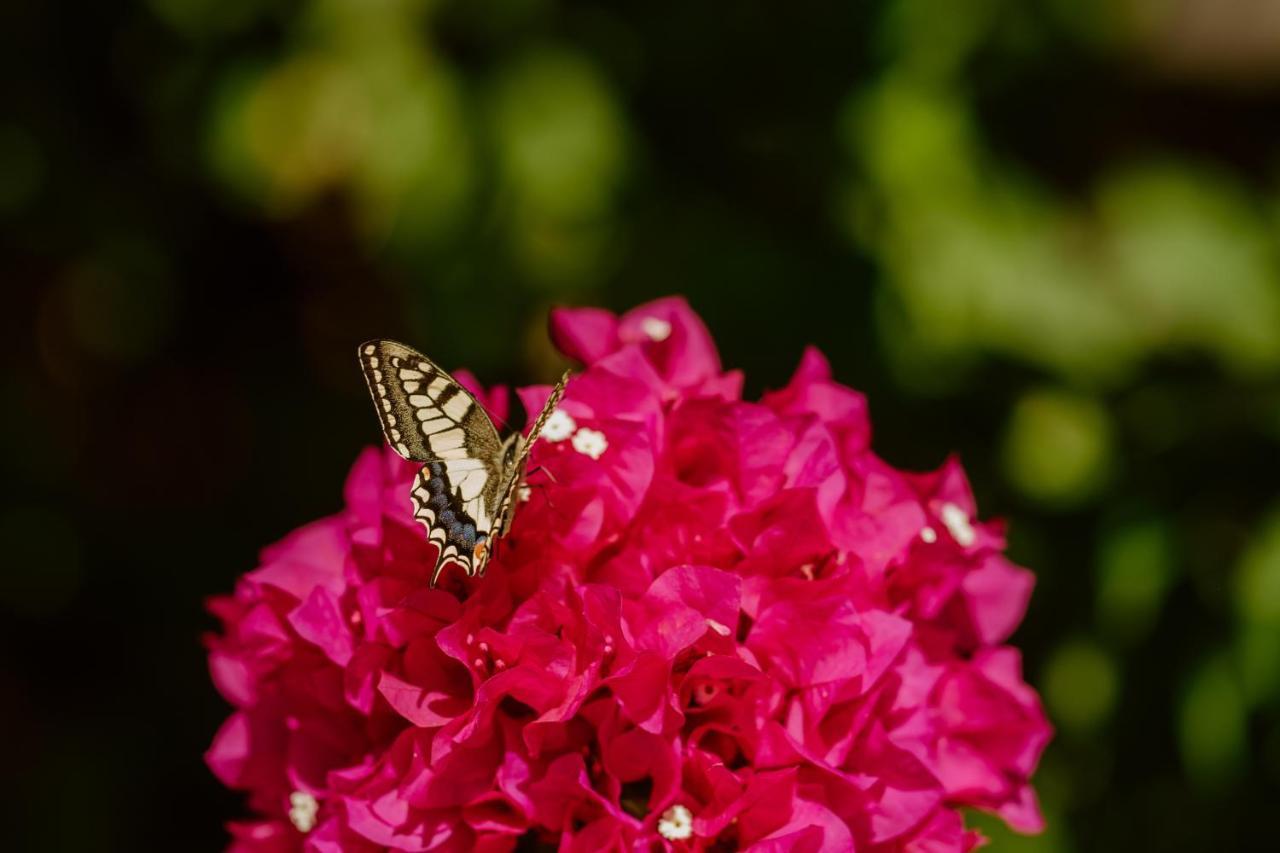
(716,624)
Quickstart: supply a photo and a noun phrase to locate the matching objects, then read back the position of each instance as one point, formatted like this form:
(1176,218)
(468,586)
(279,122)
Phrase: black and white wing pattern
(463,494)
(426,415)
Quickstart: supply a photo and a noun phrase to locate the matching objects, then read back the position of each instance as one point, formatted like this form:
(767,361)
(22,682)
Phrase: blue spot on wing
(451,518)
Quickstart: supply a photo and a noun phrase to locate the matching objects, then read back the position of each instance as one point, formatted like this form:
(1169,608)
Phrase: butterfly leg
(544,469)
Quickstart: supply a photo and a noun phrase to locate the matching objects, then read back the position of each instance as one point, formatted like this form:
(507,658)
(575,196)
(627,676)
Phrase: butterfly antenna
(502,424)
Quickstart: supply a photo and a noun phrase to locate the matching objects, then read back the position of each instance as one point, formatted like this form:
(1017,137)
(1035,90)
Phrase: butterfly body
(465,492)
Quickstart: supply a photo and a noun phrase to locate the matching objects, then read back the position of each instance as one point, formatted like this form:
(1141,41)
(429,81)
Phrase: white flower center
(655,328)
(559,426)
(928,534)
(719,627)
(957,522)
(590,442)
(676,824)
(302,810)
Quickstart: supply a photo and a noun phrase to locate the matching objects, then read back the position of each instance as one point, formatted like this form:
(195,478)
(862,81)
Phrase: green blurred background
(1040,232)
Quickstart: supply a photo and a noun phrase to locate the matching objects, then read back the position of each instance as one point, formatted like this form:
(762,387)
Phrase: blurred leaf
(1257,597)
(1169,257)
(1135,570)
(559,135)
(1258,578)
(931,39)
(1212,725)
(292,131)
(1197,263)
(1258,657)
(205,18)
(561,148)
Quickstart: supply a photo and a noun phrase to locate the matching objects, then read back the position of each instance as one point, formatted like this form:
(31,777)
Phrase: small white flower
(559,426)
(957,522)
(302,810)
(590,442)
(676,824)
(655,328)
(928,534)
(524,493)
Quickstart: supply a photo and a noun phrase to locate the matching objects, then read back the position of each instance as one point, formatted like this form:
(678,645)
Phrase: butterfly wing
(428,417)
(459,526)
(513,473)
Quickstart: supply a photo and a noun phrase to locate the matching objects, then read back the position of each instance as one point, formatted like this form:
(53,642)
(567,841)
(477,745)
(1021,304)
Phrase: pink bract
(715,623)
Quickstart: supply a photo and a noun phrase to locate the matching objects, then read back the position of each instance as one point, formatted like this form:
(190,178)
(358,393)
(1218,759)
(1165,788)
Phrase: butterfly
(465,492)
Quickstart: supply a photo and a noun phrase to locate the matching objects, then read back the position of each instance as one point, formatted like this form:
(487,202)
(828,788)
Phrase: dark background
(1041,234)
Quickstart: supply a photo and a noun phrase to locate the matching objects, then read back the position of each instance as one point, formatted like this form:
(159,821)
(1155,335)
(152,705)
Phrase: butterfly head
(511,450)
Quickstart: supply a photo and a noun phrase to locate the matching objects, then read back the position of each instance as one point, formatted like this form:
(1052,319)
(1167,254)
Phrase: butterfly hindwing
(455,524)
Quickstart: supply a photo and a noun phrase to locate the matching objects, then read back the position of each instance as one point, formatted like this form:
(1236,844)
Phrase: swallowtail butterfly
(465,493)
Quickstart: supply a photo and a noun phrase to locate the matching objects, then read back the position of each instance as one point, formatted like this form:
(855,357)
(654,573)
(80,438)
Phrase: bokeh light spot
(1080,686)
(1058,447)
(1258,579)
(559,135)
(1257,599)
(1135,569)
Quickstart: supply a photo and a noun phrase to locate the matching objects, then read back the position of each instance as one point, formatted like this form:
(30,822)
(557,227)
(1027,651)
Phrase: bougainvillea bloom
(715,624)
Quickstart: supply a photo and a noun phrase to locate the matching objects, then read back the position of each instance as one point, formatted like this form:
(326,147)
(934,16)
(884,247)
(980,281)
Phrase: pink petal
(713,593)
(319,621)
(584,334)
(686,356)
(996,594)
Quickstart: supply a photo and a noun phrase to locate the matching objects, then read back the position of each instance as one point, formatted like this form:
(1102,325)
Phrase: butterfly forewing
(513,475)
(426,416)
